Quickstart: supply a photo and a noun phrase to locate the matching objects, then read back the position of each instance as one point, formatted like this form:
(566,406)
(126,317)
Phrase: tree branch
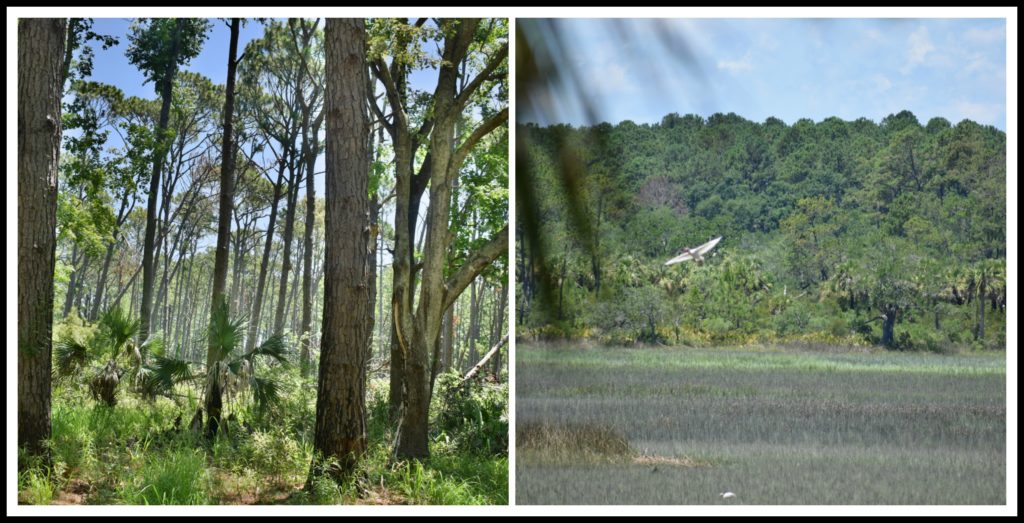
(380,70)
(493,64)
(487,357)
(477,262)
(485,128)
(388,126)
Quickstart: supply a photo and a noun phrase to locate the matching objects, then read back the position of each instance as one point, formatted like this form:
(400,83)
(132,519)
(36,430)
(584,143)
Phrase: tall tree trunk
(449,339)
(286,261)
(220,264)
(500,325)
(40,81)
(426,325)
(979,330)
(417,330)
(310,150)
(888,325)
(101,283)
(257,303)
(187,299)
(148,262)
(341,389)
(405,225)
(236,270)
(122,215)
(307,263)
(474,321)
(69,295)
(380,287)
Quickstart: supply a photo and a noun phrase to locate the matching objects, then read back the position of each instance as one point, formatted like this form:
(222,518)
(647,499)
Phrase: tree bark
(416,331)
(341,389)
(148,261)
(979,331)
(436,294)
(69,296)
(888,325)
(500,325)
(449,339)
(286,261)
(474,319)
(307,259)
(227,195)
(483,362)
(257,303)
(40,82)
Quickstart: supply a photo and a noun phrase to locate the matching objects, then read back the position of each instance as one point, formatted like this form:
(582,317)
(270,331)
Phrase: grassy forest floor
(614,425)
(132,454)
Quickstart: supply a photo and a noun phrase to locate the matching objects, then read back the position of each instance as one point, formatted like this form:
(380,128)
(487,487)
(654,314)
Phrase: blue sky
(787,68)
(112,66)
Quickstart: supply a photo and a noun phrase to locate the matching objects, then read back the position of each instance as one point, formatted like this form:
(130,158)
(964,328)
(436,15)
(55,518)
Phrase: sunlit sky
(786,68)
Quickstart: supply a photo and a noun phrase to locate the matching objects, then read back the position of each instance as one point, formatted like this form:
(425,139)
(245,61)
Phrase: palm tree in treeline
(40,82)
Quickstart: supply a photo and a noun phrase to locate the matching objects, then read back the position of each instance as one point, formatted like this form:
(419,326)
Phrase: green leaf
(274,347)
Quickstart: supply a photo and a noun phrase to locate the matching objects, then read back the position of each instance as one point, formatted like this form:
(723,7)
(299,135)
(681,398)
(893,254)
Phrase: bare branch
(483,361)
(476,263)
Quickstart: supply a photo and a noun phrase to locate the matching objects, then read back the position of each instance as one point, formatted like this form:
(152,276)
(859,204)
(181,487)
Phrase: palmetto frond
(224,333)
(154,345)
(119,328)
(72,355)
(274,347)
(172,370)
(161,376)
(265,392)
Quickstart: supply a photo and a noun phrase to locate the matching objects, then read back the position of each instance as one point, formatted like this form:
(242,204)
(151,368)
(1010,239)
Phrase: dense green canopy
(827,228)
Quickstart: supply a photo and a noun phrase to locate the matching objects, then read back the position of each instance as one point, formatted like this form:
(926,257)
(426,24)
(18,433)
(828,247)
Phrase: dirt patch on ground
(657,461)
(74,493)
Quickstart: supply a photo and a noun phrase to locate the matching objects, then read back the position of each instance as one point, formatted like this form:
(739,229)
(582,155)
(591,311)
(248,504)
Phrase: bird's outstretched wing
(681,258)
(707,246)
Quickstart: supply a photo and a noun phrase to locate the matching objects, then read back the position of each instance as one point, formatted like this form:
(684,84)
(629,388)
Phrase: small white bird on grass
(727,495)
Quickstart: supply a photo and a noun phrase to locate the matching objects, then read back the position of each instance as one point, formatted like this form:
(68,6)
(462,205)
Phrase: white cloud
(919,47)
(742,65)
(613,77)
(983,113)
(978,62)
(873,34)
(986,36)
(607,78)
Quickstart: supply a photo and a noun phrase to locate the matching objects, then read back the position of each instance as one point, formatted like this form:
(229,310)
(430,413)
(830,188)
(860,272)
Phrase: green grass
(775,426)
(169,477)
(130,455)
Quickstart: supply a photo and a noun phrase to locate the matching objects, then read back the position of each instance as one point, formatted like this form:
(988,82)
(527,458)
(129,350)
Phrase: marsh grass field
(776,426)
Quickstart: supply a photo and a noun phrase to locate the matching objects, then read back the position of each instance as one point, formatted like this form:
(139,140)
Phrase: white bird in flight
(696,253)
